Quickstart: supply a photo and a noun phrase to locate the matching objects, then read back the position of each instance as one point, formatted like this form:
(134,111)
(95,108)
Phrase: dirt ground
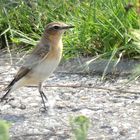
(114,114)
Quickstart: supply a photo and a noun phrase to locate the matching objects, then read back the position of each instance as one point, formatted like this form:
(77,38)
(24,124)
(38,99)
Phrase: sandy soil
(114,114)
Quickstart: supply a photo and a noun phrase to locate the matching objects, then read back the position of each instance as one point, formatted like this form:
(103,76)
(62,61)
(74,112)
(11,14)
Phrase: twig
(29,135)
(38,134)
(22,58)
(7,44)
(8,49)
(87,86)
(94,87)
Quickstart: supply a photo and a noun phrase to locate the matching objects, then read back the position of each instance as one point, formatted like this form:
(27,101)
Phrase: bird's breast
(47,66)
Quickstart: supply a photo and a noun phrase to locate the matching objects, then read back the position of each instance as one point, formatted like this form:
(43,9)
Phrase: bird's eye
(56,27)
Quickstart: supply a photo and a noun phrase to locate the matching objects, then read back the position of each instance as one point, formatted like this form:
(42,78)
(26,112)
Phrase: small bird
(42,62)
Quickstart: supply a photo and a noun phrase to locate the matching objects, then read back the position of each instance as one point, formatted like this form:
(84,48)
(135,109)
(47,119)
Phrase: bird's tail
(10,88)
(5,95)
(14,85)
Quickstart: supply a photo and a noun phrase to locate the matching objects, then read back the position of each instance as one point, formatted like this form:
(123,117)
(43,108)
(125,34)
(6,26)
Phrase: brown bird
(43,60)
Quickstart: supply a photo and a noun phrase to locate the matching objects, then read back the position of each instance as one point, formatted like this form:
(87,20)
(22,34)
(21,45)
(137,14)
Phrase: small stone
(13,106)
(43,110)
(123,132)
(22,107)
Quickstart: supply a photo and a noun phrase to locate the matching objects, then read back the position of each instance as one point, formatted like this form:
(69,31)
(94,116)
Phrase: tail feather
(5,95)
(14,85)
(10,88)
(10,85)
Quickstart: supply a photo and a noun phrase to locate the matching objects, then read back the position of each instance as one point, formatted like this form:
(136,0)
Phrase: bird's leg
(43,96)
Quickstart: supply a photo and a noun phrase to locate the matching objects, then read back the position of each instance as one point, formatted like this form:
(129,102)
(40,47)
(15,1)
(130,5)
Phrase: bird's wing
(32,60)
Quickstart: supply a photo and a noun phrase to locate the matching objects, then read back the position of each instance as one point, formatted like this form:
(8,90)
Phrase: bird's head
(55,30)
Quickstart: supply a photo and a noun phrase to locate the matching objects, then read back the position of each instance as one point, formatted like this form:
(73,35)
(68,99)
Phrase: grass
(101,26)
(79,126)
(4,130)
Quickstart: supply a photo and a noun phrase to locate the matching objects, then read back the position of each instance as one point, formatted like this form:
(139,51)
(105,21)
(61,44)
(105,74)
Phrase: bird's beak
(67,27)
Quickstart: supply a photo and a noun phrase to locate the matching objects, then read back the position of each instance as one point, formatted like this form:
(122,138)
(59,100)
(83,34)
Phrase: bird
(41,62)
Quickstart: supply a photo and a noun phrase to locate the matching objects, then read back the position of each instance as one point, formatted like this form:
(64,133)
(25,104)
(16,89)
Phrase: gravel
(114,114)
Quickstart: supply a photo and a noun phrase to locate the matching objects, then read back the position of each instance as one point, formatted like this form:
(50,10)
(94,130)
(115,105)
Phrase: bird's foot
(44,101)
(44,109)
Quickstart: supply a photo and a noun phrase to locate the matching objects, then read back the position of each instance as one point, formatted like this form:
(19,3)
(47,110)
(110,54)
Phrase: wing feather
(32,60)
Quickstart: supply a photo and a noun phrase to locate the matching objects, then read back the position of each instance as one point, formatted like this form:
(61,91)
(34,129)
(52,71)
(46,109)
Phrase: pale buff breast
(43,70)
